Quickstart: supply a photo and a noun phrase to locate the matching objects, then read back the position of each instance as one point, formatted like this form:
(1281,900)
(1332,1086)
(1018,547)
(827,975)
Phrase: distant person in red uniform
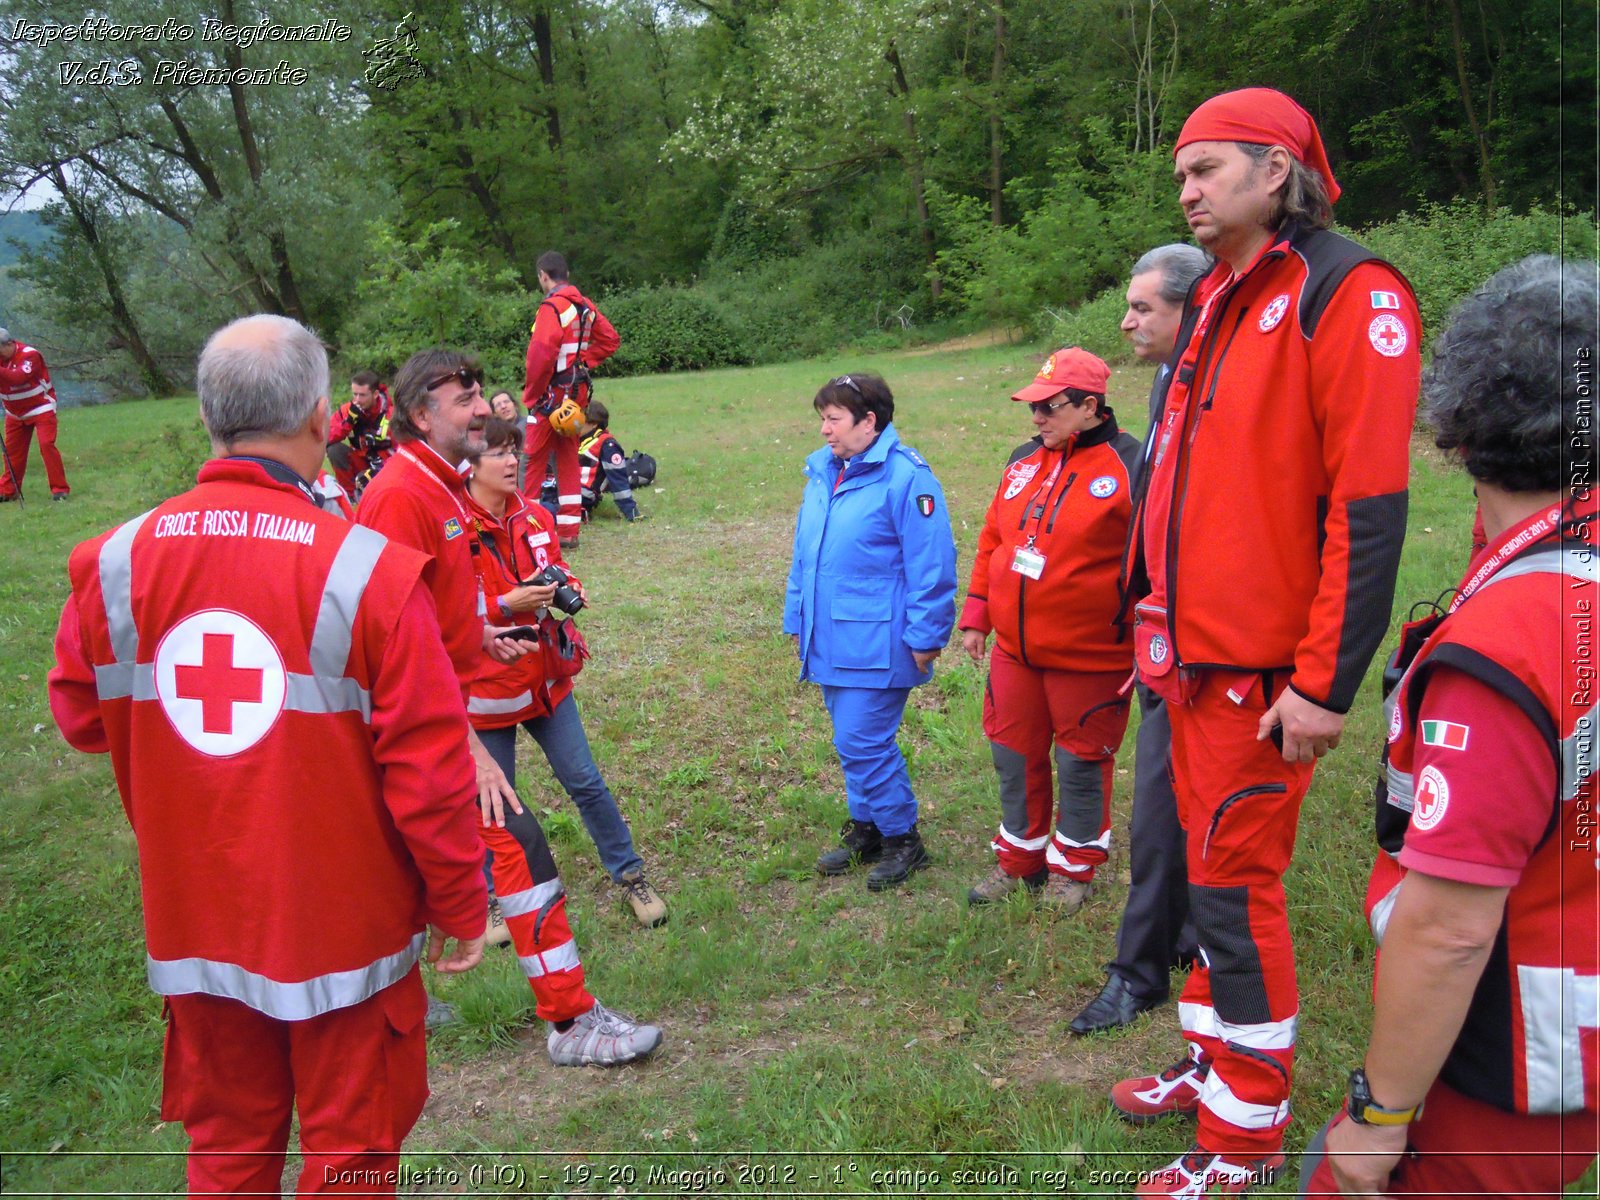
(570,338)
(420,499)
(234,650)
(30,403)
(1044,581)
(1270,529)
(358,442)
(1482,1072)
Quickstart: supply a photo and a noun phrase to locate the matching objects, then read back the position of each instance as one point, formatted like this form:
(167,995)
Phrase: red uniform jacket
(1275,512)
(1529,1043)
(1071,506)
(557,344)
(518,548)
(25,387)
(288,749)
(421,501)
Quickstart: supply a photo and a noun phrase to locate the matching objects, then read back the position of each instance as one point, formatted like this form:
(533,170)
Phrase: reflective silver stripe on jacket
(327,690)
(489,708)
(37,389)
(284,1001)
(1558,1004)
(1579,747)
(116,588)
(1381,912)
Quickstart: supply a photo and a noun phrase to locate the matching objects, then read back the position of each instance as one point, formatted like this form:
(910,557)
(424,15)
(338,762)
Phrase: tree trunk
(997,72)
(544,45)
(155,379)
(277,241)
(913,161)
(1464,84)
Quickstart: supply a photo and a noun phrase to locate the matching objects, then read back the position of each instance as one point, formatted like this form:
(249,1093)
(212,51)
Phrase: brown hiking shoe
(1064,895)
(499,933)
(647,904)
(997,885)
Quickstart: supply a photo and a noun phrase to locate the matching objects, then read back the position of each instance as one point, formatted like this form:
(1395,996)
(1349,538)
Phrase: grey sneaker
(440,1013)
(601,1038)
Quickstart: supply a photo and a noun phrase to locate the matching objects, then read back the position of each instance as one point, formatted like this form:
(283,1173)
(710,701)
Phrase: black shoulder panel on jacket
(1329,257)
(1022,451)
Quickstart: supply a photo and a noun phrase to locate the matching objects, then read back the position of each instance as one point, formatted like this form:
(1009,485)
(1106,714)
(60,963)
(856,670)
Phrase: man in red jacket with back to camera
(30,403)
(233,649)
(570,338)
(1271,530)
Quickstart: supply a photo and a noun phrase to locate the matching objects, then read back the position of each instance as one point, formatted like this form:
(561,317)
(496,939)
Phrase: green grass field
(816,1034)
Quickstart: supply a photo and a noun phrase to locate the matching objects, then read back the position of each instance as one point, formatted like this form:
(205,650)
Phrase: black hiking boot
(859,842)
(901,856)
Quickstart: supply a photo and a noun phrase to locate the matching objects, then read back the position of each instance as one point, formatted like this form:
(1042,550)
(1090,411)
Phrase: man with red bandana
(1271,531)
(570,338)
(30,403)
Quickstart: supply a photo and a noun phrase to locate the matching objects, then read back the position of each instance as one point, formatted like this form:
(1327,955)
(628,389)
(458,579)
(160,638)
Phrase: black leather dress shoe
(1116,1005)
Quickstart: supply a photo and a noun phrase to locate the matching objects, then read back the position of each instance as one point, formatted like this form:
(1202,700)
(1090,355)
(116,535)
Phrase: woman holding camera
(870,604)
(519,544)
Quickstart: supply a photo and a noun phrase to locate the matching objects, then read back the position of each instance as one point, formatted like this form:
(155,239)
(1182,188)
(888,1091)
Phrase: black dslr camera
(566,597)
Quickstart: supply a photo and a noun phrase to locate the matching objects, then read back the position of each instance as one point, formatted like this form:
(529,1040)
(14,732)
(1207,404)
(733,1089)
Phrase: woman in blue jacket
(870,604)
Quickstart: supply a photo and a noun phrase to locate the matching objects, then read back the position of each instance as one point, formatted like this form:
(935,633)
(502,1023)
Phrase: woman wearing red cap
(1045,581)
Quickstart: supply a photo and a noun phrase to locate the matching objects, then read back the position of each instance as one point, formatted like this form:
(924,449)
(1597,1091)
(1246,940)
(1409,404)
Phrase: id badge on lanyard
(1027,561)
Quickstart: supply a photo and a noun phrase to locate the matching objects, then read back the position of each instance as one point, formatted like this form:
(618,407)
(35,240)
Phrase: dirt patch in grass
(981,340)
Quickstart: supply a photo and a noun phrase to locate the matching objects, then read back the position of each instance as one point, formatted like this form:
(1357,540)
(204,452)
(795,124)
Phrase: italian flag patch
(1444,733)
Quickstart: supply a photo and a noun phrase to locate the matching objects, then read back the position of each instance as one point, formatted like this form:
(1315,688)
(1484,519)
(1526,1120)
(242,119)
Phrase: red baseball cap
(1262,116)
(1071,367)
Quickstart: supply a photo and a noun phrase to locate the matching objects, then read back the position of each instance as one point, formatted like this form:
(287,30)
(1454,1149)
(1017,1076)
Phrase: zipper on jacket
(1180,472)
(1065,488)
(1036,511)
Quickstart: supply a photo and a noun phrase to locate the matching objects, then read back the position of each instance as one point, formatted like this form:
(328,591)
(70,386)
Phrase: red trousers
(358,1076)
(1031,716)
(1463,1147)
(534,904)
(541,439)
(19,434)
(1239,803)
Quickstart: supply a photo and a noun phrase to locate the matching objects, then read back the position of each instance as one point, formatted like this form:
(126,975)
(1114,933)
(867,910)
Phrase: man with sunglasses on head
(420,499)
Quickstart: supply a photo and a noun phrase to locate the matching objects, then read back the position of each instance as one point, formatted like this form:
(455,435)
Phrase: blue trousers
(566,746)
(865,721)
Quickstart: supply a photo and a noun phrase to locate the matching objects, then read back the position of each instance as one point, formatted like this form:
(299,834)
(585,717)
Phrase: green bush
(1094,325)
(1447,250)
(670,329)
(424,293)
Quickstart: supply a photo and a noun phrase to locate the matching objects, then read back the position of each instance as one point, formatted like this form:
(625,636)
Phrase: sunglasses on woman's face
(467,377)
(1044,408)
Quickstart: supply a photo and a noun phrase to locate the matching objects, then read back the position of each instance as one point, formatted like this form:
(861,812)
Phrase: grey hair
(1180,265)
(1304,196)
(264,386)
(1510,391)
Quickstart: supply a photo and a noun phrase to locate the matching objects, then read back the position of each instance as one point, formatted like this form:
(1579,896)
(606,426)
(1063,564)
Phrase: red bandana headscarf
(1265,117)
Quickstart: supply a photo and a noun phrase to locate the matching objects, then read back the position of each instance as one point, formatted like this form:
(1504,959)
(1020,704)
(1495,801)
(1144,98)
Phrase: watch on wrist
(1365,1111)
